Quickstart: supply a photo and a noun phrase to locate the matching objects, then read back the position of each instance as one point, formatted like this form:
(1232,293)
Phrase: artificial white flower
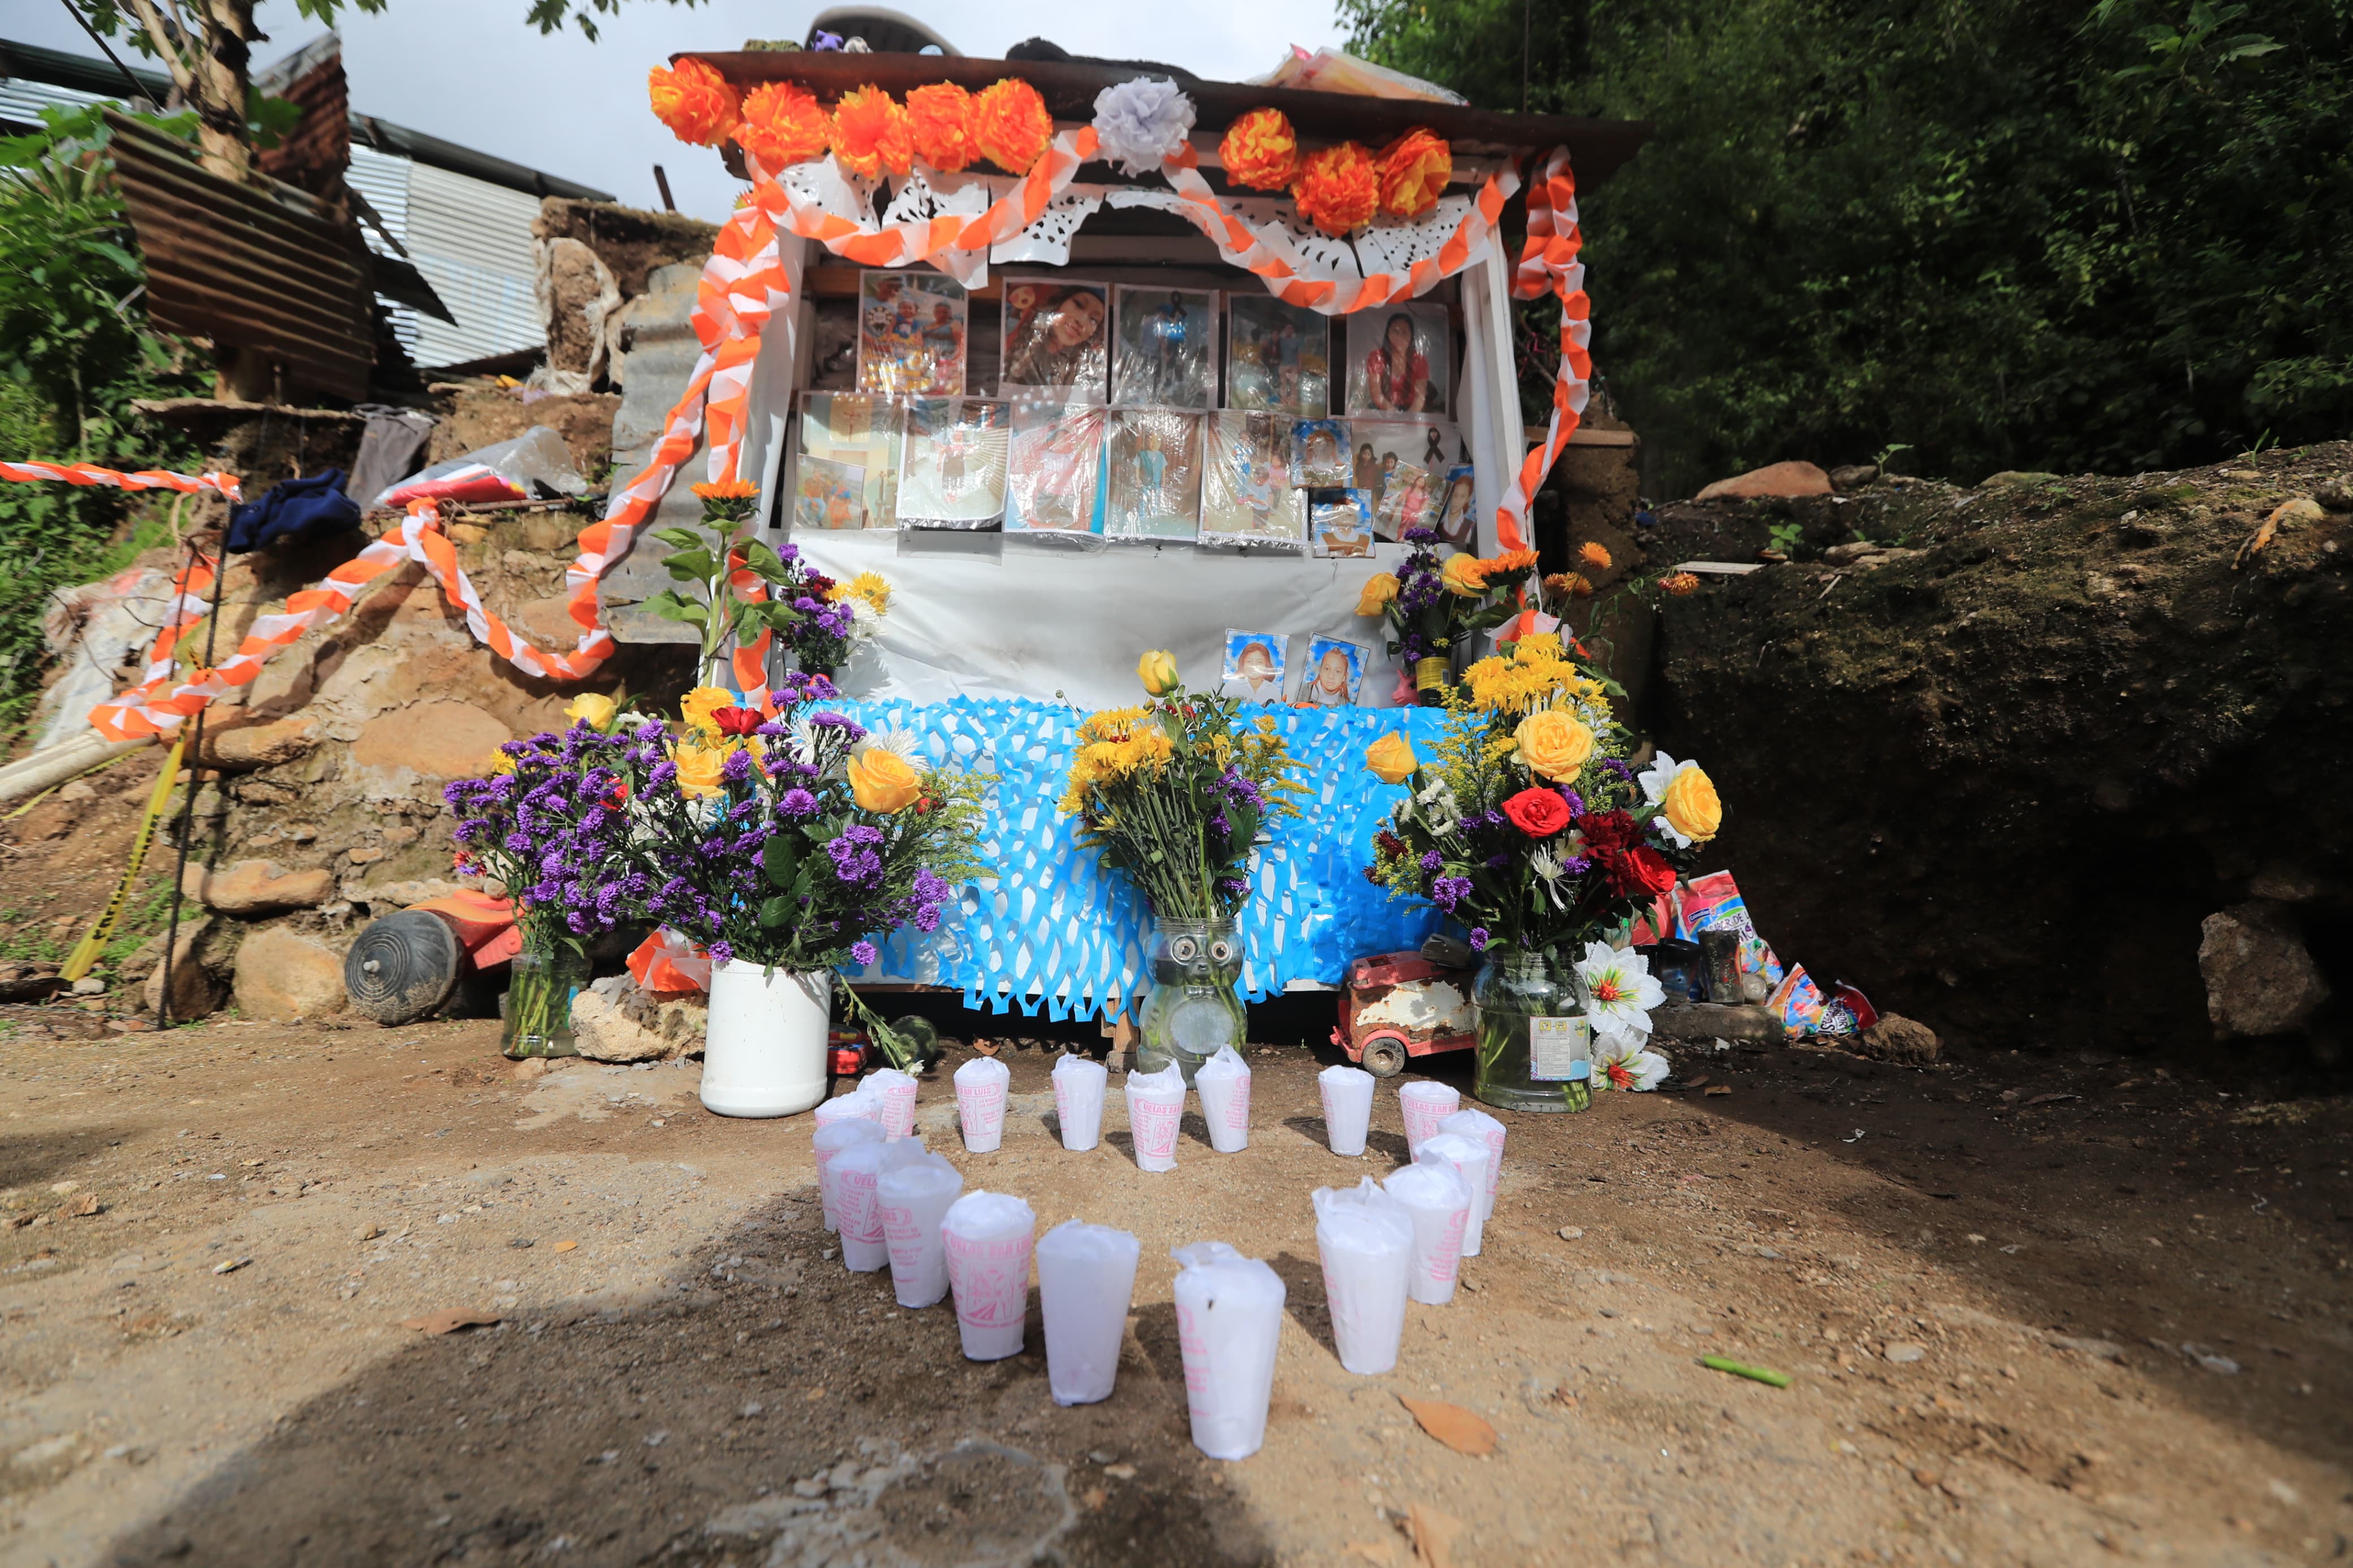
(1139,123)
(1654,780)
(1439,806)
(865,620)
(895,739)
(1547,868)
(1620,1063)
(1619,991)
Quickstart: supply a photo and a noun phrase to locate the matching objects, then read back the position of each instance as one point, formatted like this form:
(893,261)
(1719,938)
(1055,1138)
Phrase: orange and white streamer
(1549,265)
(224,485)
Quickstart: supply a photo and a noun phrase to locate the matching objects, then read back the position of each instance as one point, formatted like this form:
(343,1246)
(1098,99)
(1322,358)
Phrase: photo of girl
(1245,494)
(1319,453)
(1155,474)
(1278,357)
(1401,448)
(859,431)
(952,467)
(1456,524)
(1254,663)
(910,333)
(1336,669)
(1054,483)
(1166,351)
(1398,360)
(1341,522)
(1056,339)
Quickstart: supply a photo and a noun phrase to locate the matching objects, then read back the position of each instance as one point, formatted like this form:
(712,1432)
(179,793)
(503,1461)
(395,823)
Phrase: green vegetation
(2013,235)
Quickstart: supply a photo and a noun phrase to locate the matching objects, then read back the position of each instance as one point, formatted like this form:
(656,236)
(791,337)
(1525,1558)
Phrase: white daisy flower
(865,620)
(1620,1063)
(1655,780)
(902,742)
(1619,991)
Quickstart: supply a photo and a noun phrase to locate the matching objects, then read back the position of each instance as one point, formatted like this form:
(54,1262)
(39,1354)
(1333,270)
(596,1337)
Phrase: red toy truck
(1400,1005)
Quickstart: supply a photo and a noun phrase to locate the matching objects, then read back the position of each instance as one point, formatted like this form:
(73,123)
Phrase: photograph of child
(1398,360)
(1278,357)
(1389,450)
(951,465)
(1165,351)
(1457,523)
(1340,523)
(860,430)
(1336,669)
(1245,494)
(1319,453)
(910,333)
(1254,663)
(827,494)
(1155,474)
(1054,479)
(1057,340)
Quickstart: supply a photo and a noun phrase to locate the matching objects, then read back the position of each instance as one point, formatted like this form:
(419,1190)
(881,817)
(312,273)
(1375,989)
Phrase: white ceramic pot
(765,1051)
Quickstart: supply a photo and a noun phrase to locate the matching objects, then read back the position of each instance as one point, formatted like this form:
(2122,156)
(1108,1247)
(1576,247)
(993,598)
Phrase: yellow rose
(1691,805)
(882,780)
(698,705)
(698,766)
(1379,593)
(1391,758)
(594,711)
(1554,745)
(1157,670)
(1465,575)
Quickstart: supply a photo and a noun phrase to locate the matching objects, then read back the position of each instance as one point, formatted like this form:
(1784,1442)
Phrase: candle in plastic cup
(1441,1207)
(898,1094)
(1155,1104)
(1348,1107)
(1079,1086)
(828,1142)
(1477,1124)
(1086,1276)
(914,1198)
(1223,1082)
(859,1102)
(1229,1319)
(988,1237)
(1425,1104)
(1468,1156)
(858,1205)
(980,1086)
(1365,1237)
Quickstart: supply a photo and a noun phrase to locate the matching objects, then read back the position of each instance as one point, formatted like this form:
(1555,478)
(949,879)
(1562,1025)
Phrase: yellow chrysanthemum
(870,586)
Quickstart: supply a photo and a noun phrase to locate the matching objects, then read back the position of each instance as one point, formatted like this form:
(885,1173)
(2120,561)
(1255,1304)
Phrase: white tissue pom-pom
(1139,123)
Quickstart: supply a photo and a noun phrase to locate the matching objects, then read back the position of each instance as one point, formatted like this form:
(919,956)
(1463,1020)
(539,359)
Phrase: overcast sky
(473,72)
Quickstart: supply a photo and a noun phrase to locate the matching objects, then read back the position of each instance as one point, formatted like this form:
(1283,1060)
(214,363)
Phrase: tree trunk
(213,75)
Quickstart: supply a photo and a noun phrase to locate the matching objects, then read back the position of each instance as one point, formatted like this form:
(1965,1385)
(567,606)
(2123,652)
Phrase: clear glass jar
(1536,1042)
(537,1013)
(1193,1007)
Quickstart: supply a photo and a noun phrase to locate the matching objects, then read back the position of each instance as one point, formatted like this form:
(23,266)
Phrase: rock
(1904,1353)
(468,533)
(1848,554)
(248,746)
(601,1034)
(1790,480)
(2260,979)
(1852,477)
(2335,495)
(89,985)
(1896,1038)
(2283,883)
(548,623)
(282,975)
(2015,477)
(409,894)
(1707,1021)
(440,739)
(258,888)
(2303,508)
(195,990)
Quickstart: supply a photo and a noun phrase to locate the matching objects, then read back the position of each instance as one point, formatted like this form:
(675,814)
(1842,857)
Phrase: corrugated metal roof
(383,180)
(472,241)
(229,263)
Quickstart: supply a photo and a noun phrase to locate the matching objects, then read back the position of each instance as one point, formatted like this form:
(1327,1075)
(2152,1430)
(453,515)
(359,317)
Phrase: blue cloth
(289,508)
(1052,929)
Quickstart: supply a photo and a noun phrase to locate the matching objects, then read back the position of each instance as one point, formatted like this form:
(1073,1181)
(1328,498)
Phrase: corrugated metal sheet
(383,180)
(229,263)
(472,241)
(23,101)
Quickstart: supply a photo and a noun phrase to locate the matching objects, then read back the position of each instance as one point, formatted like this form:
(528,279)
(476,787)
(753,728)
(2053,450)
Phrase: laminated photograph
(1154,490)
(1054,476)
(1320,456)
(827,494)
(860,430)
(1055,340)
(1457,510)
(1399,357)
(953,463)
(1334,673)
(1246,492)
(1393,452)
(910,333)
(1164,347)
(1340,523)
(1255,662)
(1407,499)
(1278,357)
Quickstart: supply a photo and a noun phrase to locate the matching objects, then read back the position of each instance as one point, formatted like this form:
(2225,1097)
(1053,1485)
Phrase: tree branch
(159,32)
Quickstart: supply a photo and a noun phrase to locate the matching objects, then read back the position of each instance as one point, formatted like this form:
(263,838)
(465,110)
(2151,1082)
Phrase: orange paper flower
(1414,171)
(695,102)
(1260,150)
(871,132)
(1339,188)
(941,117)
(1010,126)
(784,125)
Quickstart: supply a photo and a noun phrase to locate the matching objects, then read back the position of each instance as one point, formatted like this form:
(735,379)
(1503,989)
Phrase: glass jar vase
(1536,1042)
(1193,1007)
(537,1011)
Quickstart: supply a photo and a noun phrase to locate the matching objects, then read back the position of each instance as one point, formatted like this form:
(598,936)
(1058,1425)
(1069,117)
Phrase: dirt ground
(1981,1278)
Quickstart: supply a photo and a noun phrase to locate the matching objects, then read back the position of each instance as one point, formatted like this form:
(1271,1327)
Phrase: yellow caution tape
(91,945)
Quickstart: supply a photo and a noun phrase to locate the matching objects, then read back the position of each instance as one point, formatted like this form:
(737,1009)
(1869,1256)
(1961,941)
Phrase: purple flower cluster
(1448,891)
(551,830)
(857,855)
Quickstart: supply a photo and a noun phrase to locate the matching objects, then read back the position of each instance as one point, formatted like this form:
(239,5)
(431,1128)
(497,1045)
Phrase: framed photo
(1334,675)
(1163,347)
(827,494)
(1054,479)
(1246,492)
(1154,490)
(1278,357)
(910,333)
(1254,666)
(1458,506)
(1401,359)
(859,430)
(1320,454)
(1388,451)
(1340,523)
(951,465)
(1056,340)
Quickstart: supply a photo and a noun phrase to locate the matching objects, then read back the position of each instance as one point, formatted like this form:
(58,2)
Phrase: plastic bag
(533,462)
(1329,70)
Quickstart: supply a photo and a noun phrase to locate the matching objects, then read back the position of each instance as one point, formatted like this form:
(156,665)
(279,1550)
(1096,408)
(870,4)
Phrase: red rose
(1638,871)
(737,720)
(1538,813)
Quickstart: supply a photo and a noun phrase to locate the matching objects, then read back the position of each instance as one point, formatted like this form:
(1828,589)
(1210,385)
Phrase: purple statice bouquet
(1435,608)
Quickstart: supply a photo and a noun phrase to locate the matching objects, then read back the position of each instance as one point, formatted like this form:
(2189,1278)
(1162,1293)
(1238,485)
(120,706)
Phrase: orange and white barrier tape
(144,480)
(1548,265)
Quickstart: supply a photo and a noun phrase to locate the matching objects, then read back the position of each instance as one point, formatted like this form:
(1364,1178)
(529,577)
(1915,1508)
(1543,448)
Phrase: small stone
(1903,1352)
(813,1486)
(1120,1472)
(2260,978)
(248,888)
(753,1408)
(1609,1311)
(1101,1456)
(1851,477)
(89,985)
(368,1233)
(1926,1477)
(1896,1038)
(1572,1233)
(656,1439)
(230,1266)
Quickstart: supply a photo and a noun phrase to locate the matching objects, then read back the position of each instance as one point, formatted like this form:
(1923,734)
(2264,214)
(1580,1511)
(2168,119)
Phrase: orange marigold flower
(695,101)
(1414,171)
(784,124)
(1260,150)
(1594,555)
(940,115)
(1010,126)
(1575,584)
(1338,188)
(1511,562)
(1679,582)
(871,132)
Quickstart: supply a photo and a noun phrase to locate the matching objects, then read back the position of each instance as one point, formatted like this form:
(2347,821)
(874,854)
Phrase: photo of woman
(1456,524)
(1056,339)
(1254,663)
(1278,357)
(1398,359)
